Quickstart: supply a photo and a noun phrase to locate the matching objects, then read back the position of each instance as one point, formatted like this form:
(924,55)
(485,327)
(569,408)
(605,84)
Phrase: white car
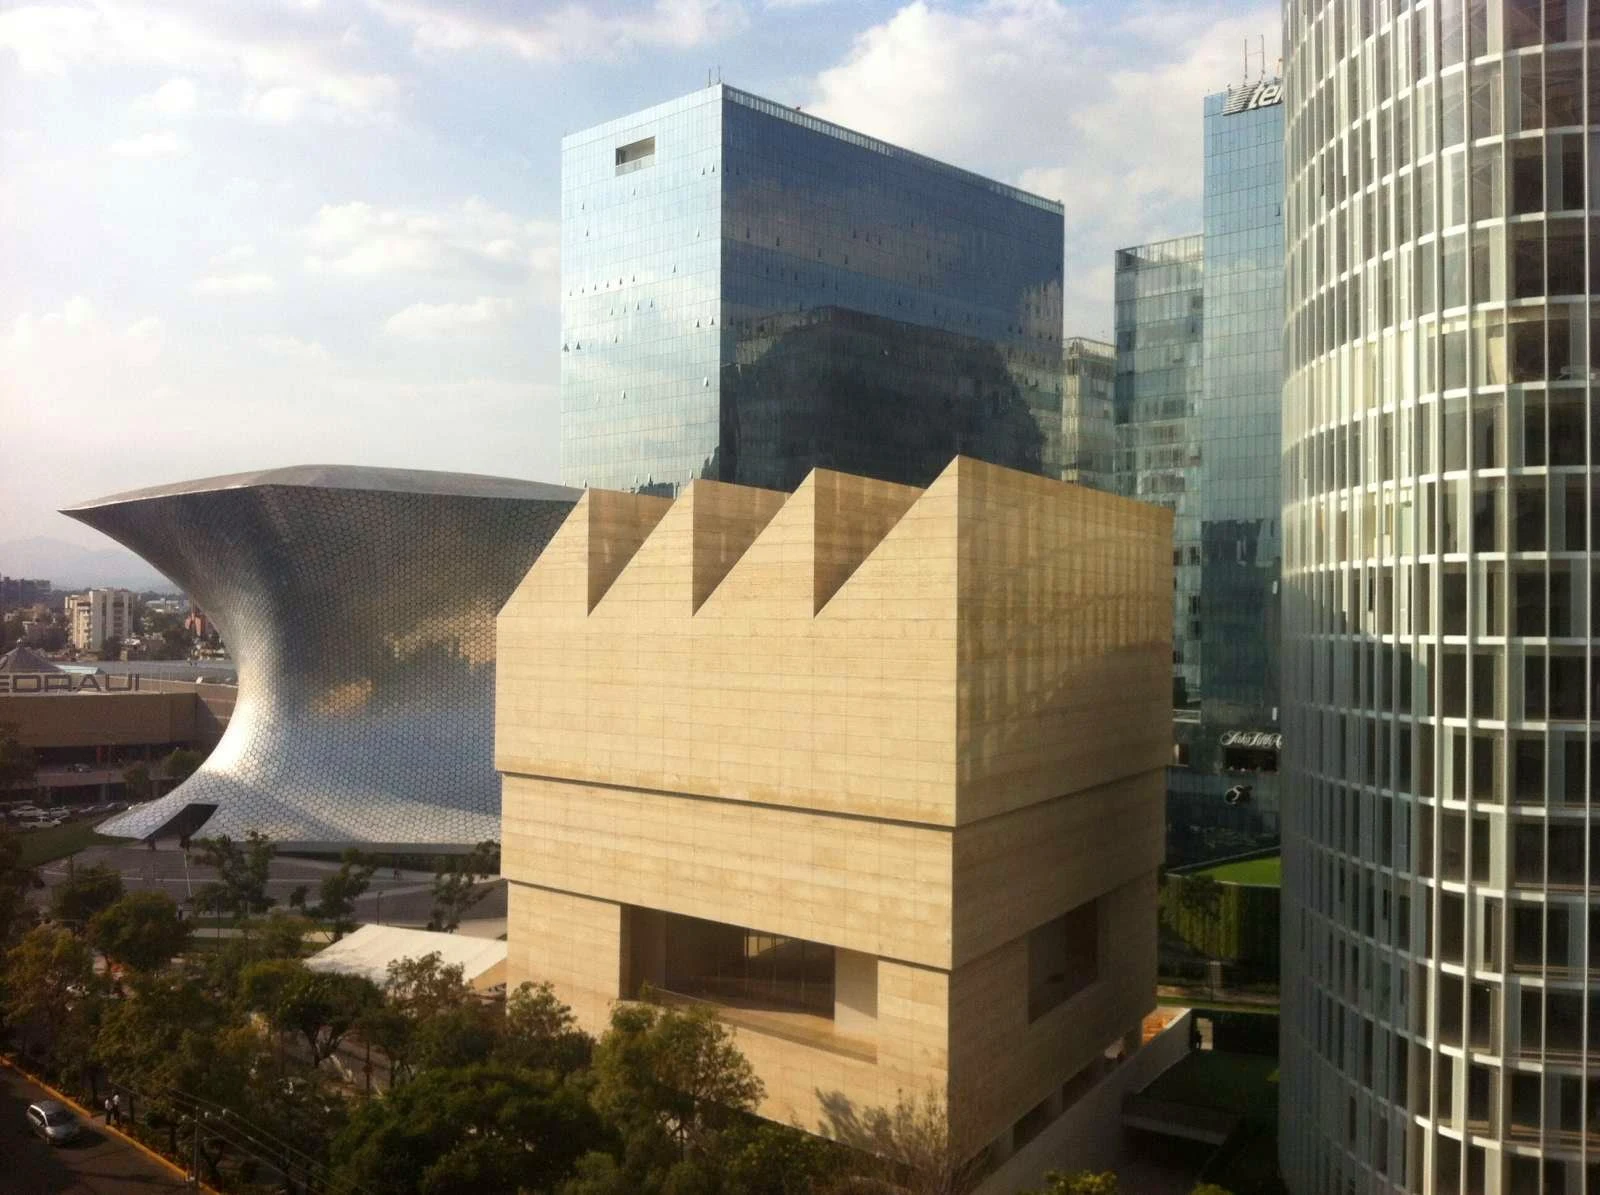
(53,1121)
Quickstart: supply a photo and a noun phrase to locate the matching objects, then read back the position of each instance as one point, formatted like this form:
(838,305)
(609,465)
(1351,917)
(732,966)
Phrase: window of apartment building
(1063,958)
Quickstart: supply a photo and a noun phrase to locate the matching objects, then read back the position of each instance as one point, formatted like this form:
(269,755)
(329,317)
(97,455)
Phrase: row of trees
(277,1077)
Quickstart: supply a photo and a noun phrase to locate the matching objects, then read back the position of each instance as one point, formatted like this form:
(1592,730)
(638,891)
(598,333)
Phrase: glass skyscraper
(1441,935)
(1160,302)
(1087,445)
(1198,414)
(750,292)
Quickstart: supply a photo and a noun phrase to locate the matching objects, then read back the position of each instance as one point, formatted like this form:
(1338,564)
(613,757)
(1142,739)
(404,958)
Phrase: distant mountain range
(72,566)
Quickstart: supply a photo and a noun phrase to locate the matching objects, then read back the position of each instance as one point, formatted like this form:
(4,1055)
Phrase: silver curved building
(359,605)
(1441,956)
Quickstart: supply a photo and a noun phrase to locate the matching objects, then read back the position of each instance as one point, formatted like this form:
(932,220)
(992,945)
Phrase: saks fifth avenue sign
(1250,96)
(66,682)
(1255,740)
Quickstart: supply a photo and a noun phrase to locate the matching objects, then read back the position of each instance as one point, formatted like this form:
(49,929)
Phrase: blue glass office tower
(1199,402)
(749,292)
(1160,325)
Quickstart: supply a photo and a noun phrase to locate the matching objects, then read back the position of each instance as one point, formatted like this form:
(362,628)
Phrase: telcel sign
(1250,96)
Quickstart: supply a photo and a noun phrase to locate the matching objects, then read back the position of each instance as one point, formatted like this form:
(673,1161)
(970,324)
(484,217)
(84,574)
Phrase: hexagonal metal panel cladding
(359,605)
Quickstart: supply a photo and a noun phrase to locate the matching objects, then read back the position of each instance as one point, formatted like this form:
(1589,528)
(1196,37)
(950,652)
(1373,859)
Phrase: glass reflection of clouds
(926,299)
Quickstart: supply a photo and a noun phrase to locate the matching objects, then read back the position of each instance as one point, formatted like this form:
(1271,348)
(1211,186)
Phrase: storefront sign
(66,682)
(1255,740)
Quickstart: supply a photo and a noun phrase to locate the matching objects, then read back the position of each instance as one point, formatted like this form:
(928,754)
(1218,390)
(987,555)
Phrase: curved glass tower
(1442,342)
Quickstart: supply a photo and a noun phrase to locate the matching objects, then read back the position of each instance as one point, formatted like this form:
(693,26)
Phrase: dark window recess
(636,154)
(1063,958)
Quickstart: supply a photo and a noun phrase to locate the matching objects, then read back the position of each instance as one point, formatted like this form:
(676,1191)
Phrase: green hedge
(1237,923)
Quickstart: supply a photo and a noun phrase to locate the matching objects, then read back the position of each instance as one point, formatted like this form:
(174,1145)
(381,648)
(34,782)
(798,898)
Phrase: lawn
(1268,872)
(57,842)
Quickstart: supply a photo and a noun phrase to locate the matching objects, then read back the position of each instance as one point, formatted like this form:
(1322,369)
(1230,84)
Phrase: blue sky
(271,232)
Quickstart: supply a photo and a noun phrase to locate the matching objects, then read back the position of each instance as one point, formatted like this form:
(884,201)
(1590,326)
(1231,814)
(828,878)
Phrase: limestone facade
(911,743)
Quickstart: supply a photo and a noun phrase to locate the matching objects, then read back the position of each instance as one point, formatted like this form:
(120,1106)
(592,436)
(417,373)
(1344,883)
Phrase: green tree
(85,892)
(18,764)
(181,764)
(319,1007)
(456,884)
(674,1070)
(16,880)
(111,647)
(162,1031)
(763,1158)
(242,873)
(339,891)
(467,1132)
(142,931)
(51,993)
(1079,1182)
(141,785)
(540,1033)
(416,992)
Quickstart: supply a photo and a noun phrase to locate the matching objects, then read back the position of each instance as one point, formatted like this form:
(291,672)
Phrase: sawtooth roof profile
(359,605)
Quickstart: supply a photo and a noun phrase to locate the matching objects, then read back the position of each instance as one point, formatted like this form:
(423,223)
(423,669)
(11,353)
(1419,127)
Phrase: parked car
(53,1121)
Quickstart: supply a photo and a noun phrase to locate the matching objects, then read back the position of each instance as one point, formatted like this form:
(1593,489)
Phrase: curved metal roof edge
(349,477)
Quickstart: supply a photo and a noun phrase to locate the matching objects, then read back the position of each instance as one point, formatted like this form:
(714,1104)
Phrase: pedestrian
(111,1111)
(116,1107)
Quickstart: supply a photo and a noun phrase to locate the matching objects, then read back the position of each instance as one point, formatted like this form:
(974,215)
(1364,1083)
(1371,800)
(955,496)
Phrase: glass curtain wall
(1160,306)
(1439,932)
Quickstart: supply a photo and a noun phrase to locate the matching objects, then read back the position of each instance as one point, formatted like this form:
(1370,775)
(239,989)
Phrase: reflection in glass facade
(1241,415)
(1441,936)
(1197,427)
(749,292)
(1087,445)
(1160,304)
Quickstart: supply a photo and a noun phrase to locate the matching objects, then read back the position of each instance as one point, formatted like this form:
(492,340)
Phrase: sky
(271,232)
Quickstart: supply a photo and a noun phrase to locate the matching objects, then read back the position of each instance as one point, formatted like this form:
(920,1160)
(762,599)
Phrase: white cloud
(78,338)
(277,105)
(429,321)
(265,47)
(471,240)
(1100,108)
(234,255)
(568,32)
(248,283)
(165,144)
(292,348)
(175,97)
(45,37)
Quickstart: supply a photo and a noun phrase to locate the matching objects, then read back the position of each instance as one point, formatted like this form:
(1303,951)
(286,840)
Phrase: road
(403,900)
(98,1163)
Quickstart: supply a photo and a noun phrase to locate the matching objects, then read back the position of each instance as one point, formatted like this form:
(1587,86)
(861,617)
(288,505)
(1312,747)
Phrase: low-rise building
(873,772)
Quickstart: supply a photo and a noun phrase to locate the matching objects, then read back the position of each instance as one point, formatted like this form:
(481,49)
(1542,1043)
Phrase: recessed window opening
(731,964)
(636,154)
